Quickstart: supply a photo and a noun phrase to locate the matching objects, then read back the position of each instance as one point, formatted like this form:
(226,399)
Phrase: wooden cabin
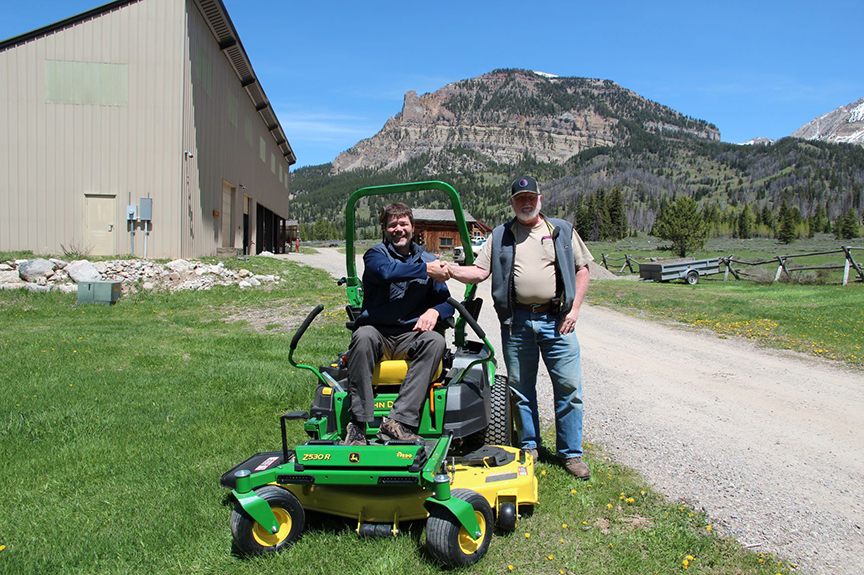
(436,229)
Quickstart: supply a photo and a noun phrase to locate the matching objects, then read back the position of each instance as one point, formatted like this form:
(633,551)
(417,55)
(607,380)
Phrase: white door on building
(228,193)
(99,214)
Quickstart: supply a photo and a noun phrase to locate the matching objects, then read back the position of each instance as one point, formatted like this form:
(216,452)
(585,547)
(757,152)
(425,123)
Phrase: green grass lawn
(117,422)
(819,320)
(643,248)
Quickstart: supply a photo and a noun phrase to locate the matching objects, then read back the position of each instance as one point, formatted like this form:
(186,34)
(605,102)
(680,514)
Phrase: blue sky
(335,71)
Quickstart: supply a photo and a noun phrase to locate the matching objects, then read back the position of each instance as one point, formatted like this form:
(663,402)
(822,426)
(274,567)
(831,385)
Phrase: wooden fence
(784,264)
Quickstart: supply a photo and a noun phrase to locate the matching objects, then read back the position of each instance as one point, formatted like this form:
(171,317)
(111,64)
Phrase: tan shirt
(534,263)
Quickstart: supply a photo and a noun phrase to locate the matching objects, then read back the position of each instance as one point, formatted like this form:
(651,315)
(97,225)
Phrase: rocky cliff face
(843,125)
(507,114)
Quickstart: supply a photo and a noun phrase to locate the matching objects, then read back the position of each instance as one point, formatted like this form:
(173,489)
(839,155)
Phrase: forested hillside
(819,181)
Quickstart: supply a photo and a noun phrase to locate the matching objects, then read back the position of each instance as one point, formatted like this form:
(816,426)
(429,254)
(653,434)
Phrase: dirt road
(770,444)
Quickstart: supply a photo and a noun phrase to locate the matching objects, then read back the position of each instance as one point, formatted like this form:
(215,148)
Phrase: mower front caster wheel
(507,517)
(449,542)
(253,539)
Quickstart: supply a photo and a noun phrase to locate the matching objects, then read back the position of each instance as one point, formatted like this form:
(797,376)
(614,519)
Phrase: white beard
(527,217)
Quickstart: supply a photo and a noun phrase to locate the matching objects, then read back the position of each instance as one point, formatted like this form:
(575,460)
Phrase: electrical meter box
(145,211)
(131,213)
(106,293)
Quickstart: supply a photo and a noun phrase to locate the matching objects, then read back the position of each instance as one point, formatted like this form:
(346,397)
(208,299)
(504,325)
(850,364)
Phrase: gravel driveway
(770,444)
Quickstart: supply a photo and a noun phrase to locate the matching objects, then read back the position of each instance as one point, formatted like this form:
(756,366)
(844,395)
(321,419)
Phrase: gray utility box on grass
(99,292)
(687,270)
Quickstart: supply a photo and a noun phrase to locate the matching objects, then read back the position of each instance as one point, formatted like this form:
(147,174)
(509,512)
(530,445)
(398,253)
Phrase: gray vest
(504,253)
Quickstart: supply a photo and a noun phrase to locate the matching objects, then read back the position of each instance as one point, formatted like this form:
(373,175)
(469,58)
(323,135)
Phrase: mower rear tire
(500,430)
(253,539)
(449,542)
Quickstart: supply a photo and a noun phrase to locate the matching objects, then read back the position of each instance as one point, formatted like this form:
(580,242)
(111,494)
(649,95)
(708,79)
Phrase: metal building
(140,122)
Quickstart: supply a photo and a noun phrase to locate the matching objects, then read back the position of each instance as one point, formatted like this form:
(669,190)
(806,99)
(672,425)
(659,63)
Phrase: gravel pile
(41,275)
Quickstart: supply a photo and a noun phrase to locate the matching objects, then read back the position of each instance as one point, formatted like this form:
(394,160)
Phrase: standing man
(539,269)
(401,306)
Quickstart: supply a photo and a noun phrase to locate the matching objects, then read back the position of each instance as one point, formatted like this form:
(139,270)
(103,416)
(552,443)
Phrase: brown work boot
(393,430)
(535,455)
(577,468)
(355,434)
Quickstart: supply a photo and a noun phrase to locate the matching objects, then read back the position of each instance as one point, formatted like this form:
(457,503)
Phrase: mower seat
(392,372)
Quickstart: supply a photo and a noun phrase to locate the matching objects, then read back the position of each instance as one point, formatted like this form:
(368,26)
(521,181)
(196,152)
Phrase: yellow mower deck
(511,483)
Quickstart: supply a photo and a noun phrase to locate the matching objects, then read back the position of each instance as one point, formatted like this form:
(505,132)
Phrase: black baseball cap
(524,184)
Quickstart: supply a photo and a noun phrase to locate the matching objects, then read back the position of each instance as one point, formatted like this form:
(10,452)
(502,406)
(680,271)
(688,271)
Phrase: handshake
(439,271)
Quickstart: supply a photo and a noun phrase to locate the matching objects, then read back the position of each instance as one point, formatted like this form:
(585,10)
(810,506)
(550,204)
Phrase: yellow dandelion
(550,558)
(510,567)
(564,526)
(527,536)
(2,547)
(560,541)
(543,472)
(689,558)
(609,505)
(573,491)
(708,528)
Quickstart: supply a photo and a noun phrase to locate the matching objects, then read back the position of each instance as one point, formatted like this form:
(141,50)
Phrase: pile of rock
(42,275)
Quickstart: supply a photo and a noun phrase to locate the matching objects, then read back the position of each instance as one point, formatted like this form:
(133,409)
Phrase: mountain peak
(843,125)
(507,114)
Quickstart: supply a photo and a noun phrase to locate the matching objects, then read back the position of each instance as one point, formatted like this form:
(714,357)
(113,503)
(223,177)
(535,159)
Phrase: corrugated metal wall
(225,133)
(109,108)
(62,138)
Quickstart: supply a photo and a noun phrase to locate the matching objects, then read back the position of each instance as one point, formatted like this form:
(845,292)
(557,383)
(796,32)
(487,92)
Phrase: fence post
(782,268)
(853,263)
(605,265)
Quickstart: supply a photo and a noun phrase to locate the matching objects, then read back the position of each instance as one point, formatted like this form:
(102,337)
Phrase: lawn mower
(464,477)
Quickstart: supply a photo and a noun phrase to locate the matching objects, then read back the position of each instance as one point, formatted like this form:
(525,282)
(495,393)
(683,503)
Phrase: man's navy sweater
(397,290)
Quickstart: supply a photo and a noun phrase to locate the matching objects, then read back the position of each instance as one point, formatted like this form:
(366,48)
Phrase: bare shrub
(76,250)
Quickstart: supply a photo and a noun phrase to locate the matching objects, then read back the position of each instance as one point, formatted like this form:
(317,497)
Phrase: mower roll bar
(354,285)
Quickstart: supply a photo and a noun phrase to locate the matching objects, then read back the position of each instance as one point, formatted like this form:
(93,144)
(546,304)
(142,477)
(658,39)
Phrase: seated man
(401,306)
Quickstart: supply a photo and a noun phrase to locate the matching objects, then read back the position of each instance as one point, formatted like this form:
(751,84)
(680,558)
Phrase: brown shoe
(577,468)
(355,434)
(392,430)
(535,455)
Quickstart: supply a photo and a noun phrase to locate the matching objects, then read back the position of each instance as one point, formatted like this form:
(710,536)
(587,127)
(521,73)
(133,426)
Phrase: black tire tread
(500,429)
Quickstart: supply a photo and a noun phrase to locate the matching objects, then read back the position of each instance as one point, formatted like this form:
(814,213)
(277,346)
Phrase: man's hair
(395,210)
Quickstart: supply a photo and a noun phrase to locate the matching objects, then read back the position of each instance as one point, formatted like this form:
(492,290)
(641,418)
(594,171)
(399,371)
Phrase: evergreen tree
(617,216)
(683,225)
(583,218)
(847,226)
(786,227)
(745,223)
(768,217)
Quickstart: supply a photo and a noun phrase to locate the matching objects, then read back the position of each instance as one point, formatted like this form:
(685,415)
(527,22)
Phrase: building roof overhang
(222,28)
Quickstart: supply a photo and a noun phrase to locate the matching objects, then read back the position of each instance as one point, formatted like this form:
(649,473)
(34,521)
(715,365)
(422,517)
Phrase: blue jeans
(529,336)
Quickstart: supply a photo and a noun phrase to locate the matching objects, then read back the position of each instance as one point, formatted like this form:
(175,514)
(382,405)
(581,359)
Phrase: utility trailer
(687,270)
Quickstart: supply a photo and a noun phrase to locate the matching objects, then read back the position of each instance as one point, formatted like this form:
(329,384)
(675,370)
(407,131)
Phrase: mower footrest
(256,463)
